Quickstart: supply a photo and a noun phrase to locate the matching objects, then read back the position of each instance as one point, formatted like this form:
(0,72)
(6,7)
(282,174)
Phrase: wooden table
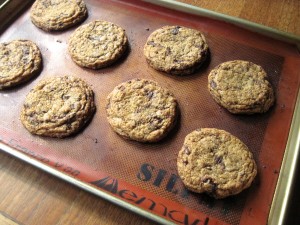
(31,196)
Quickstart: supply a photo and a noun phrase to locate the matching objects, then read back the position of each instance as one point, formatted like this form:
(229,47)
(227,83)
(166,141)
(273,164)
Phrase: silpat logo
(112,185)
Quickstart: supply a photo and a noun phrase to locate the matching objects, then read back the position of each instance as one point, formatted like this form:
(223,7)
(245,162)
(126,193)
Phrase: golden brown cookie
(241,87)
(20,60)
(141,110)
(215,162)
(58,107)
(97,44)
(56,15)
(176,50)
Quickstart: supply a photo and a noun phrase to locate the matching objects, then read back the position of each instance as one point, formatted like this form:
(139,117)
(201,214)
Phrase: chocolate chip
(213,84)
(158,119)
(186,150)
(151,43)
(122,88)
(26,51)
(200,46)
(69,126)
(168,51)
(175,30)
(211,182)
(218,159)
(150,94)
(65,97)
(214,187)
(207,180)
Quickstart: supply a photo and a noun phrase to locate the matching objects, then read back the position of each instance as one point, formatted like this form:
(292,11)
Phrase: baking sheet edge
(258,28)
(82,185)
(10,9)
(286,179)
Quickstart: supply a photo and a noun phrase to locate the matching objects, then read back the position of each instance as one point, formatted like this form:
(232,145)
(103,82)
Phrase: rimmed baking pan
(143,177)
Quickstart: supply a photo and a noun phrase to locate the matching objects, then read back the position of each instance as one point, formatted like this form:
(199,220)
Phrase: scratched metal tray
(143,177)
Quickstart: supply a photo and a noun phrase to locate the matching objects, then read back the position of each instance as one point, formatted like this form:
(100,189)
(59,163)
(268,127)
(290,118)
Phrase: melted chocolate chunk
(213,84)
(186,150)
(151,43)
(175,30)
(168,51)
(219,159)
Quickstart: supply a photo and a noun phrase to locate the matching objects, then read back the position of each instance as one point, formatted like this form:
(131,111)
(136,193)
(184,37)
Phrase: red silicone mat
(145,175)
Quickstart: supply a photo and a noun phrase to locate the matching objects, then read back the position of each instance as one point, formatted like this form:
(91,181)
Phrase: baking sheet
(144,175)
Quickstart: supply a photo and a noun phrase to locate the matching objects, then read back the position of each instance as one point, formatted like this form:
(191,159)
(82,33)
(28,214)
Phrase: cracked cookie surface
(97,44)
(141,110)
(241,87)
(215,162)
(20,60)
(176,50)
(58,107)
(57,15)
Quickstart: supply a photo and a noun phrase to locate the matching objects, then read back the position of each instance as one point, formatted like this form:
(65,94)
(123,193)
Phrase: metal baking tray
(143,177)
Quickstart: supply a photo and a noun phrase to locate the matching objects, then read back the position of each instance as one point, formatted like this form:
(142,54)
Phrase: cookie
(176,50)
(58,107)
(141,110)
(215,162)
(241,87)
(20,60)
(97,44)
(57,15)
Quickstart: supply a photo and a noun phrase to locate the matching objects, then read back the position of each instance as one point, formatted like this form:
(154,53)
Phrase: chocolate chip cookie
(141,110)
(241,87)
(20,60)
(58,107)
(57,15)
(176,50)
(215,162)
(97,44)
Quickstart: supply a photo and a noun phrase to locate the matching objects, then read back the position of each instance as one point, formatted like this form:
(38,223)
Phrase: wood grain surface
(283,15)
(30,196)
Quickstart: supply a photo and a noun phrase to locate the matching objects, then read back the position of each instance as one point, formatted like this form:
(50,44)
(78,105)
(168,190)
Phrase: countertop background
(30,196)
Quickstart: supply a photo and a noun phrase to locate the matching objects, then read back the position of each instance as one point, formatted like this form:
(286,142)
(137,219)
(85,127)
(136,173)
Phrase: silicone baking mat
(145,175)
